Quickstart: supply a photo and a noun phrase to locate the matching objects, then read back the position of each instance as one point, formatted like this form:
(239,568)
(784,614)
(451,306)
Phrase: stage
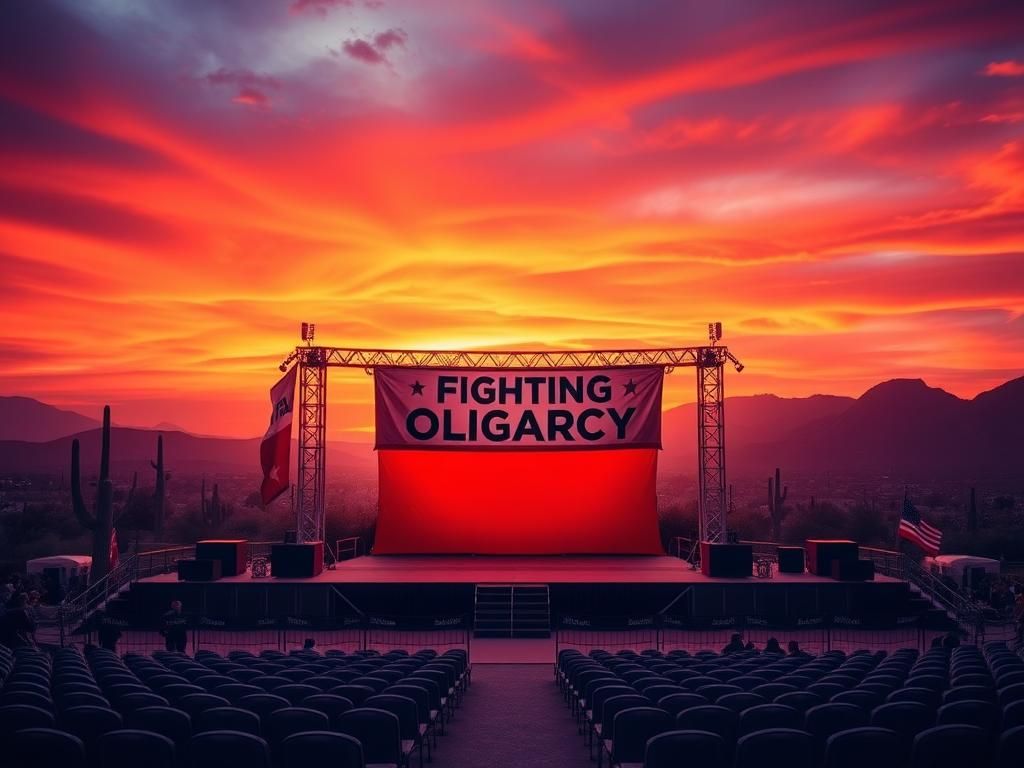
(447,585)
(519,569)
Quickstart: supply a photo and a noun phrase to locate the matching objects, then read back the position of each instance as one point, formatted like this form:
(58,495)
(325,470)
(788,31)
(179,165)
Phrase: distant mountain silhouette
(22,418)
(132,449)
(750,421)
(901,427)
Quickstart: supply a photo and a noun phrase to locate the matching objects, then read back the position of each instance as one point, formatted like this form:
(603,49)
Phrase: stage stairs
(512,610)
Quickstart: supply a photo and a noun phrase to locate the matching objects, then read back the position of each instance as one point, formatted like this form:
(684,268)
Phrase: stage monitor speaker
(297,561)
(791,559)
(232,554)
(729,561)
(853,570)
(198,570)
(821,553)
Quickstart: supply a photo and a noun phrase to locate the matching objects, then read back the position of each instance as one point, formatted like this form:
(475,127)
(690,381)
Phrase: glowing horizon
(182,184)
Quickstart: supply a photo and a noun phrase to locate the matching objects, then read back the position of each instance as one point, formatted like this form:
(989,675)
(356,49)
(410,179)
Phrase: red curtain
(518,502)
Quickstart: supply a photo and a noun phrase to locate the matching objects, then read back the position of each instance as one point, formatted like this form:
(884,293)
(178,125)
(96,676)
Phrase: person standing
(107,631)
(1018,615)
(17,629)
(175,628)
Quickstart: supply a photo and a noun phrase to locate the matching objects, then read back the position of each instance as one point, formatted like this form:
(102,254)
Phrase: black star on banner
(417,388)
(630,387)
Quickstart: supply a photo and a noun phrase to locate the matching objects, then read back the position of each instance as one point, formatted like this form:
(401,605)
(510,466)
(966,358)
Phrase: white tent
(962,568)
(65,565)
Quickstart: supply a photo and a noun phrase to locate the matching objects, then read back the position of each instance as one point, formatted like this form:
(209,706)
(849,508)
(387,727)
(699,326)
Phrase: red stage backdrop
(518,461)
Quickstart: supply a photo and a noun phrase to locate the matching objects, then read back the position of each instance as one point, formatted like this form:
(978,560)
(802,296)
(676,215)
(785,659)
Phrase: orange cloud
(838,189)
(1008,68)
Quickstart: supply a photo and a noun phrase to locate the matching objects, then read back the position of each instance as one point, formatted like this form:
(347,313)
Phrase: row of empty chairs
(945,707)
(271,710)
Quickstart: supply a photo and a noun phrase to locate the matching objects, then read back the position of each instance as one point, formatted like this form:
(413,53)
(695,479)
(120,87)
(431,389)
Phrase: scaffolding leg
(711,448)
(312,445)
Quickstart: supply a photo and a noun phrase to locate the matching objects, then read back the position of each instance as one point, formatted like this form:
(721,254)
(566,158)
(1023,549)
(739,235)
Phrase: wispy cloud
(1008,68)
(572,174)
(251,88)
(375,50)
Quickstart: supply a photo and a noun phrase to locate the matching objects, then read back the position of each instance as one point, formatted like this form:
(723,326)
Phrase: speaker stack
(791,559)
(297,561)
(198,570)
(232,554)
(731,561)
(838,559)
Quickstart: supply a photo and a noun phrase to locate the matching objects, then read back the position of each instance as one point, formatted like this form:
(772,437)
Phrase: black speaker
(297,561)
(729,561)
(853,570)
(198,570)
(232,554)
(821,553)
(791,559)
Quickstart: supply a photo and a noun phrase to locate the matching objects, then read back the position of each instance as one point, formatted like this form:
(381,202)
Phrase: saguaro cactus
(160,490)
(972,514)
(776,499)
(204,513)
(216,509)
(101,522)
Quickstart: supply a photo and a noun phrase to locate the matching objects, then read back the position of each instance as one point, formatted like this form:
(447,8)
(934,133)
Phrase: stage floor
(504,569)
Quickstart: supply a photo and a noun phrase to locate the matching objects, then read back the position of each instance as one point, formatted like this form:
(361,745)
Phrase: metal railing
(77,608)
(348,548)
(897,565)
(963,610)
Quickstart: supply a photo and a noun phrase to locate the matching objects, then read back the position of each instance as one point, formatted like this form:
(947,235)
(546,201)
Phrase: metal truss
(711,450)
(315,360)
(311,508)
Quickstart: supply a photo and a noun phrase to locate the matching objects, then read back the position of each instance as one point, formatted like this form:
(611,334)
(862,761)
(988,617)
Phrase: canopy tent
(963,569)
(65,565)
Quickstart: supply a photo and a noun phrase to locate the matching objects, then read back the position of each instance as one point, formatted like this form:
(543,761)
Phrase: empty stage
(422,585)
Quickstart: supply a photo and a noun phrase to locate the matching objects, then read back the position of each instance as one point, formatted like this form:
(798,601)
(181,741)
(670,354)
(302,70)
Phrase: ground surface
(513,717)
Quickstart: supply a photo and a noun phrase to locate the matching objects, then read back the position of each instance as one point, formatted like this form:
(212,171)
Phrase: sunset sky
(182,183)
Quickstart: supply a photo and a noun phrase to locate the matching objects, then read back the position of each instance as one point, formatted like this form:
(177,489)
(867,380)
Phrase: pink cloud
(251,98)
(391,37)
(1008,68)
(319,7)
(252,87)
(375,52)
(362,51)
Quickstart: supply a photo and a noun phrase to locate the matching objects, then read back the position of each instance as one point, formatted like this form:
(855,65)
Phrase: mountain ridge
(897,426)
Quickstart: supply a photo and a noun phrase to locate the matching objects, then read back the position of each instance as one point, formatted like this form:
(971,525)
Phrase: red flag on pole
(276,445)
(113,555)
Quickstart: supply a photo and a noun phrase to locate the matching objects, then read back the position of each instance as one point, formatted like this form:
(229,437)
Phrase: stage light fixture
(283,367)
(714,332)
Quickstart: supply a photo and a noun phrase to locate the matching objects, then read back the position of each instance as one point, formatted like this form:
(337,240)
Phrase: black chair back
(216,749)
(860,747)
(227,719)
(950,746)
(129,748)
(44,748)
(775,748)
(672,749)
(321,748)
(378,731)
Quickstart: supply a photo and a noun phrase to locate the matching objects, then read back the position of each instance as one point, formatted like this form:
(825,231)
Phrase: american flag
(916,530)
